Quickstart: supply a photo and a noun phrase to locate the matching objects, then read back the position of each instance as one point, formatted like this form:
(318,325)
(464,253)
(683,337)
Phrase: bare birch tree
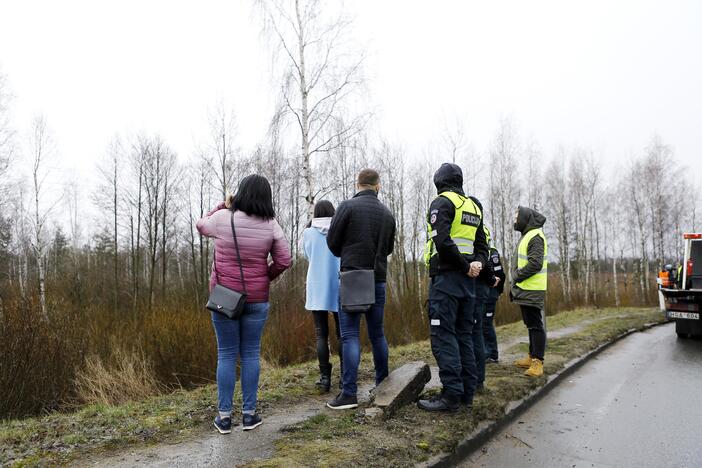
(638,217)
(558,210)
(658,172)
(453,139)
(321,75)
(108,198)
(504,190)
(40,151)
(221,153)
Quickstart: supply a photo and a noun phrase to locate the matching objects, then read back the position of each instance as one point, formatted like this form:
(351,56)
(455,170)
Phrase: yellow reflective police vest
(536,282)
(488,238)
(463,227)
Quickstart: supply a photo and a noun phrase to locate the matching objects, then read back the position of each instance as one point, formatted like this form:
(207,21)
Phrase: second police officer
(489,335)
(484,286)
(456,252)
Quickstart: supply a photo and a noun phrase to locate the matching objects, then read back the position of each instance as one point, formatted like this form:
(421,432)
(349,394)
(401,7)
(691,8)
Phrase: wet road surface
(638,404)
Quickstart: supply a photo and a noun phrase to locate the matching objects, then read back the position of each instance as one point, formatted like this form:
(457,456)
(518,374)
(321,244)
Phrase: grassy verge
(349,439)
(328,439)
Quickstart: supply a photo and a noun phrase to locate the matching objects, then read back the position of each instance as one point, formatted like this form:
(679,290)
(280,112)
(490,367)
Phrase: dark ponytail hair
(322,209)
(254,197)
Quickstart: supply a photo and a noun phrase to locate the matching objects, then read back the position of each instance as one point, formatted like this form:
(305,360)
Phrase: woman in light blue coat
(322,286)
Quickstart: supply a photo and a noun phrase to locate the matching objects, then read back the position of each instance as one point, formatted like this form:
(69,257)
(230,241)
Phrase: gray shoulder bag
(223,300)
(357,287)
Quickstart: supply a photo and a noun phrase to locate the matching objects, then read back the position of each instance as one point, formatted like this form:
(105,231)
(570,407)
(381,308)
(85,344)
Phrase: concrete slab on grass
(401,387)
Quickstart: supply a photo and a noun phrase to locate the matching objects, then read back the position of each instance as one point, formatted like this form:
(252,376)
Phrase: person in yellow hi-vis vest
(529,281)
(456,251)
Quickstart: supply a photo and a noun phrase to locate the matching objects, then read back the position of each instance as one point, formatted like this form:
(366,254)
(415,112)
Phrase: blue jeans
(482,291)
(451,308)
(489,335)
(240,338)
(350,323)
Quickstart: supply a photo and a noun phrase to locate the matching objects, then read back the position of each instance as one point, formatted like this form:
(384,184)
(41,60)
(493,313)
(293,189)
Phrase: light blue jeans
(240,338)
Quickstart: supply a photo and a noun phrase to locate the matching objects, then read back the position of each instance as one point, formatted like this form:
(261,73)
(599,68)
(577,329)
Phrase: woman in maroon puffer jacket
(259,236)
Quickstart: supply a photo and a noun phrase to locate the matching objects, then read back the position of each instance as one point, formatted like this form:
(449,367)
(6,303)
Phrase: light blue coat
(323,269)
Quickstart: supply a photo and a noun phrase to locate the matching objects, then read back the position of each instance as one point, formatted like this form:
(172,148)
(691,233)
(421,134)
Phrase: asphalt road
(638,404)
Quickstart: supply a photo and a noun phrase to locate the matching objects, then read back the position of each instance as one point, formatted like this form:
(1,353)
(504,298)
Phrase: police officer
(485,281)
(529,285)
(456,252)
(489,335)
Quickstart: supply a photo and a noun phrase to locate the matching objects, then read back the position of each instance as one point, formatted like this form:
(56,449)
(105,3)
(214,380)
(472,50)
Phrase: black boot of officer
(444,402)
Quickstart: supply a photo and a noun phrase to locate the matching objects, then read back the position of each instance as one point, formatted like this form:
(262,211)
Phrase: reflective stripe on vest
(538,281)
(463,231)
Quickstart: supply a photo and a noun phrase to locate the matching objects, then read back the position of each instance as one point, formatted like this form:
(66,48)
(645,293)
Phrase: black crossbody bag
(223,300)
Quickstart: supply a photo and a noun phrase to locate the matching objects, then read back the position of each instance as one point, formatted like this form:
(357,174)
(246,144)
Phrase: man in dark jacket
(362,233)
(497,287)
(456,252)
(529,281)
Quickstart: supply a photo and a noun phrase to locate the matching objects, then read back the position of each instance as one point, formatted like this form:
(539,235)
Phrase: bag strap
(214,263)
(238,256)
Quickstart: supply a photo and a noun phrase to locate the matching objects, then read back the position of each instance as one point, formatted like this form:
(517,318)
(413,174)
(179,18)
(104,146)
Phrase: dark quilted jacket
(361,231)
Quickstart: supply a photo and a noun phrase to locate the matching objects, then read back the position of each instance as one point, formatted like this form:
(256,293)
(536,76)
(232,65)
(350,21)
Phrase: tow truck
(681,289)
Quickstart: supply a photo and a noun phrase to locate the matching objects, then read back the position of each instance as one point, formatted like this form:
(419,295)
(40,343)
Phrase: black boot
(444,402)
(324,382)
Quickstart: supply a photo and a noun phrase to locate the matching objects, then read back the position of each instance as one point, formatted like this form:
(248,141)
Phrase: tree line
(127,245)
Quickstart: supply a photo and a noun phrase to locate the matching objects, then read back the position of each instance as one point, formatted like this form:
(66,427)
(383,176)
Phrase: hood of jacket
(321,224)
(528,219)
(449,178)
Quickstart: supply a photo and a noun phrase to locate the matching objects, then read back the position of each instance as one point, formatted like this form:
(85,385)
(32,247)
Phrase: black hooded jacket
(449,178)
(528,219)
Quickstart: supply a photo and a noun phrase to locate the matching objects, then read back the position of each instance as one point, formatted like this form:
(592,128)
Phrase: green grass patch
(324,440)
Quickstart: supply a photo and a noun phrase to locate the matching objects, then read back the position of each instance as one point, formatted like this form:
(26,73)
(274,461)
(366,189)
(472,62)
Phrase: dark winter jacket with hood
(528,219)
(449,178)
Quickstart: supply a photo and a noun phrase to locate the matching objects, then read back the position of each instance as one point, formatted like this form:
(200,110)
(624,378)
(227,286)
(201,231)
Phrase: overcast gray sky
(604,75)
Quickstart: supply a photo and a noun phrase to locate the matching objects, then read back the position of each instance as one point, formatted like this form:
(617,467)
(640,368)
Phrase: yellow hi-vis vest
(463,227)
(536,282)
(488,238)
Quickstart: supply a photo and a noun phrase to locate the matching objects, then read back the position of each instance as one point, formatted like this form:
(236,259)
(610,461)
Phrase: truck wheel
(682,329)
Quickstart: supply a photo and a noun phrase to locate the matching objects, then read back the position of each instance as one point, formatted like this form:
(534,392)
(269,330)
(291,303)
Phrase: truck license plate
(683,315)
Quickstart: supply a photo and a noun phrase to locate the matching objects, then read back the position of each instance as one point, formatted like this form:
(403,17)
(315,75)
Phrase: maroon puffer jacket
(257,239)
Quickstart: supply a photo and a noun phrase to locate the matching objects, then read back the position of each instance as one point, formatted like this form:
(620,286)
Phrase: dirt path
(213,449)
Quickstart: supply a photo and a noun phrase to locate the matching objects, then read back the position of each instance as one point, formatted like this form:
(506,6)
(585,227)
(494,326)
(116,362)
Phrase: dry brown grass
(126,376)
(40,362)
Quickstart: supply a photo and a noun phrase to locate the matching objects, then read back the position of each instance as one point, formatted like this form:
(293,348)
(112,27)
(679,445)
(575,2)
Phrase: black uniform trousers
(451,320)
(537,331)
